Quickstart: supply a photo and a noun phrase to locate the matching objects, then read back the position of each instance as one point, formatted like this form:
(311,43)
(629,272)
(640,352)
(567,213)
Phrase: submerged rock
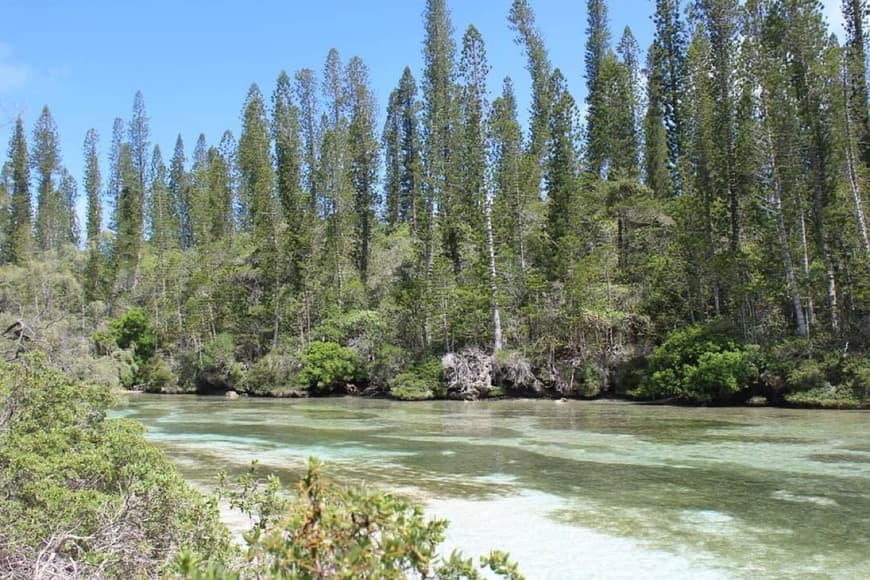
(231,395)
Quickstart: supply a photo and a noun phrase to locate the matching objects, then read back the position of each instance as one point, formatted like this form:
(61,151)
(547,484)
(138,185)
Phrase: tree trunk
(493,280)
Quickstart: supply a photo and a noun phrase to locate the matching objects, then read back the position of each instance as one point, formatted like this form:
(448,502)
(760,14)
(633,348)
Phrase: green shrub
(159,378)
(134,333)
(275,373)
(327,366)
(807,375)
(423,381)
(698,364)
(826,397)
(88,494)
(330,531)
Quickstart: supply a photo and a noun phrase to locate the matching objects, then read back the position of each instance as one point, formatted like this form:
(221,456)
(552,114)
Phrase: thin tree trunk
(824,249)
(493,282)
(810,312)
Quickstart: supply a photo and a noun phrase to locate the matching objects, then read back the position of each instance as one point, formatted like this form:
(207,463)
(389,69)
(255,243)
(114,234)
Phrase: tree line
(717,178)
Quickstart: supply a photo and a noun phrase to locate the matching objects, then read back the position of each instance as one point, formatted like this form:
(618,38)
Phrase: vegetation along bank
(699,235)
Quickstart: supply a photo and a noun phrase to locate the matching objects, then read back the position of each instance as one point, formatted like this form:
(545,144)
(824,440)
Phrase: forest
(694,230)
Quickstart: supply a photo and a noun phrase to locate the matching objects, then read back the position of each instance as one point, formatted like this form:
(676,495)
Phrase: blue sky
(194,59)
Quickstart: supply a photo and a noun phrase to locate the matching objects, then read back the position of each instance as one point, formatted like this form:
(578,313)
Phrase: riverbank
(819,403)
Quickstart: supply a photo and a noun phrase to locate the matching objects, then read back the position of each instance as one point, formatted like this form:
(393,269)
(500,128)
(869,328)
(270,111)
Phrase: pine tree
(364,160)
(855,13)
(128,238)
(628,50)
(70,232)
(474,108)
(561,175)
(201,208)
(669,45)
(857,121)
(511,201)
(522,21)
(179,194)
(4,209)
(19,229)
(411,198)
(229,150)
(597,49)
(391,141)
(138,133)
(93,186)
(306,97)
(807,52)
(221,193)
(656,172)
(439,53)
(256,189)
(720,19)
(256,169)
(335,190)
(286,131)
(616,139)
(778,131)
(115,179)
(45,162)
(162,220)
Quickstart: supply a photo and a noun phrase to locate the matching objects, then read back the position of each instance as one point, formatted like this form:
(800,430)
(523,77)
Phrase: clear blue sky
(194,59)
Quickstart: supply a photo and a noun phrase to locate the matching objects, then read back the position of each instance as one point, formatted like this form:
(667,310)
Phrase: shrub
(85,496)
(327,366)
(698,364)
(134,333)
(273,374)
(423,381)
(328,531)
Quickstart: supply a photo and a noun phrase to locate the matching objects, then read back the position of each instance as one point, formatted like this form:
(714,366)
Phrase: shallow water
(596,490)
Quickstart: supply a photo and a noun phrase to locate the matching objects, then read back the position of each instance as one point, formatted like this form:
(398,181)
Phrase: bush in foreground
(328,531)
(84,496)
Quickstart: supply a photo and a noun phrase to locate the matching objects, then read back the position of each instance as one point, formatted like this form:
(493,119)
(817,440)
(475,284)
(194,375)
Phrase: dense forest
(697,234)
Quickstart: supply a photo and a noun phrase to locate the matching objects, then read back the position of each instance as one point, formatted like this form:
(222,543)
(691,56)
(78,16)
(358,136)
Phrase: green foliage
(699,364)
(219,367)
(423,381)
(826,397)
(337,532)
(134,333)
(327,366)
(811,373)
(274,374)
(85,493)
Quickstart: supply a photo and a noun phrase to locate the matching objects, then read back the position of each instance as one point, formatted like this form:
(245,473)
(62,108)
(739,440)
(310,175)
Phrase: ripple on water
(784,495)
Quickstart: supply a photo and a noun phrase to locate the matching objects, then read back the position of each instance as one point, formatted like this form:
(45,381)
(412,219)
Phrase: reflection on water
(607,490)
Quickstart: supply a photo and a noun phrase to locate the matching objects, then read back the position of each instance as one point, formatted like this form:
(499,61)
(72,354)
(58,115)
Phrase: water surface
(596,490)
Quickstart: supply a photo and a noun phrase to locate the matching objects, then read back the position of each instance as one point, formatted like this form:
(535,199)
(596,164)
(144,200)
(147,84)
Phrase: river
(571,490)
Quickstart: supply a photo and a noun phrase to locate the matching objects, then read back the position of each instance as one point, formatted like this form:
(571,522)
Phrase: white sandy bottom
(548,549)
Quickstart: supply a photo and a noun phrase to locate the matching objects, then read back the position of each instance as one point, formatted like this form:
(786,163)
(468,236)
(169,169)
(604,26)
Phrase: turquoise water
(593,490)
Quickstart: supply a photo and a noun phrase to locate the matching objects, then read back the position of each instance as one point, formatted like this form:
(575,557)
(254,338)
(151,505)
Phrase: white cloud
(13,75)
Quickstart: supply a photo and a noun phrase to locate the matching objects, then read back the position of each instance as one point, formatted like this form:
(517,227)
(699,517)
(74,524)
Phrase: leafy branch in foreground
(329,531)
